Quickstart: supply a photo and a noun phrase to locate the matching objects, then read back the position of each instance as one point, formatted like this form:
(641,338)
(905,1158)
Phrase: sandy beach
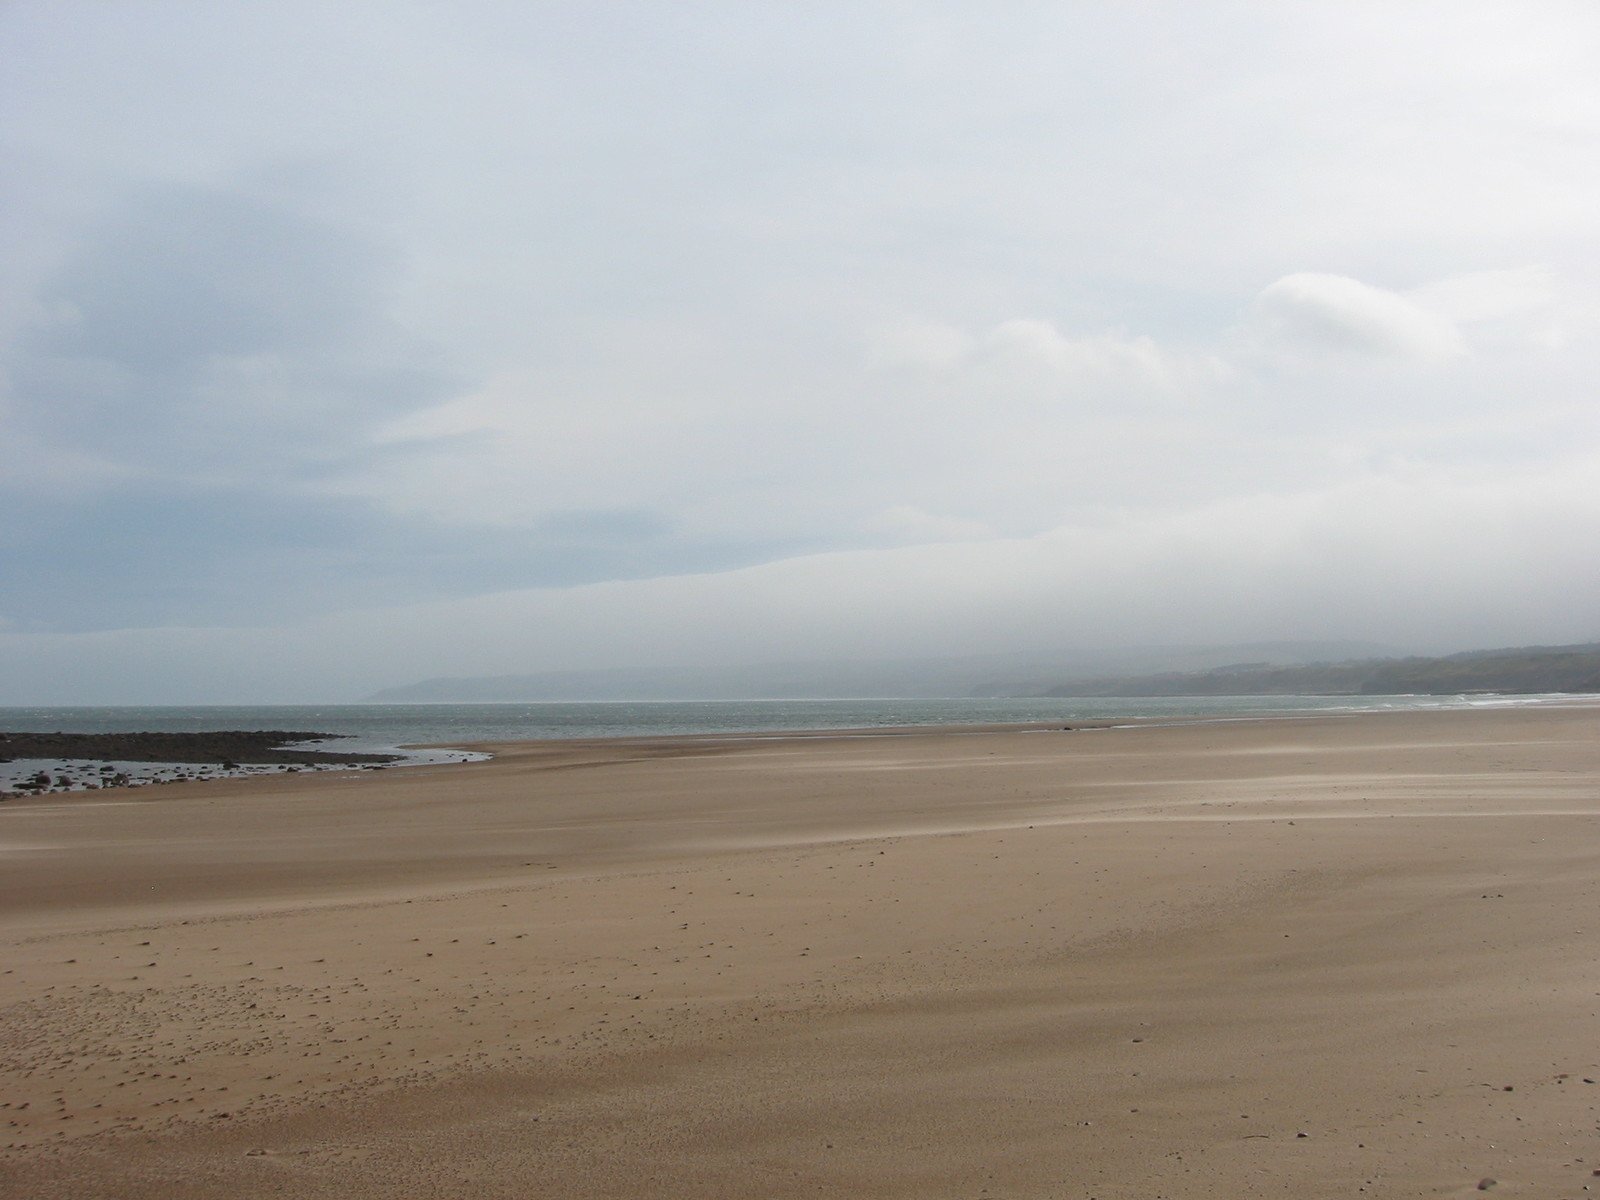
(1324,956)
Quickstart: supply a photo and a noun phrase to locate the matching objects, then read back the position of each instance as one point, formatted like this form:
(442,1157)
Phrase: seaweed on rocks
(228,748)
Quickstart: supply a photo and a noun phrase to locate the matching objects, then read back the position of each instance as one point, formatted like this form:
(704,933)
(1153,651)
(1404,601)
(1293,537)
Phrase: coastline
(920,963)
(180,745)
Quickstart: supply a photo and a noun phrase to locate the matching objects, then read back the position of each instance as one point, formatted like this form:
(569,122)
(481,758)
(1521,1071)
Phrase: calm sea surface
(384,727)
(389,725)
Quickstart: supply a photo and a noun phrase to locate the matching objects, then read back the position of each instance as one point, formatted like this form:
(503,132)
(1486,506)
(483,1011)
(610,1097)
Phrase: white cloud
(1137,366)
(1319,314)
(1037,354)
(1515,309)
(1489,295)
(933,430)
(928,345)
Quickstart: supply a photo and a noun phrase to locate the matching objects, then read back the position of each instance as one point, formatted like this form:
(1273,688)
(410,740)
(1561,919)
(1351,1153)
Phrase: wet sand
(1329,956)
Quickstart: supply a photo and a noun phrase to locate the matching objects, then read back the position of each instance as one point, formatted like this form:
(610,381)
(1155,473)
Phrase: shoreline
(913,964)
(208,758)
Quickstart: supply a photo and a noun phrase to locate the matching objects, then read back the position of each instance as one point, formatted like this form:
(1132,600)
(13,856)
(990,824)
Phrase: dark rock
(232,747)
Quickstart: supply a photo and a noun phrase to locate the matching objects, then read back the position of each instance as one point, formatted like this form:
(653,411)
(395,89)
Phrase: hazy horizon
(347,346)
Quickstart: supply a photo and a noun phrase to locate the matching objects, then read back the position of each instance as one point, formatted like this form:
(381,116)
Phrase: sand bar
(1107,963)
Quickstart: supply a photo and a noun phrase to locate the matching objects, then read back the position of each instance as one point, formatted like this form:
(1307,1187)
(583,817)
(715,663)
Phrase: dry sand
(1328,956)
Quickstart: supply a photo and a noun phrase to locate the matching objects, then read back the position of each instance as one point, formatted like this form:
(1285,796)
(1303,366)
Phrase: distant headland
(1261,669)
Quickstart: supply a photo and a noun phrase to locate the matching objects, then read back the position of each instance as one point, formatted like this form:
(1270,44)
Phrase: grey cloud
(570,295)
(612,526)
(181,274)
(1431,561)
(197,328)
(202,555)
(202,377)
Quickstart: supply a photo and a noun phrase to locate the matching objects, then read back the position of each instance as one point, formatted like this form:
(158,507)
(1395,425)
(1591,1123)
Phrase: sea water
(387,728)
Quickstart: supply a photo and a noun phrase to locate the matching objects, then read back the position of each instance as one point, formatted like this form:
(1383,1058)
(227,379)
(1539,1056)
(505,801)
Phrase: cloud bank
(344,348)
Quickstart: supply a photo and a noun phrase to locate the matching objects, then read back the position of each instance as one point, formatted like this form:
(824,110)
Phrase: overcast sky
(347,344)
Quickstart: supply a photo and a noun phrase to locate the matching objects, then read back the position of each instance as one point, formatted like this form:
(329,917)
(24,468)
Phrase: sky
(346,345)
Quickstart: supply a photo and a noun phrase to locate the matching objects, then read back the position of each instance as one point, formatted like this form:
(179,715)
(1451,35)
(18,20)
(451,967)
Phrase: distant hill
(1016,674)
(1527,669)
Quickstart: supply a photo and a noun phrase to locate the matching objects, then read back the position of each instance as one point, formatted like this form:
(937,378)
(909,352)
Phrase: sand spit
(1329,956)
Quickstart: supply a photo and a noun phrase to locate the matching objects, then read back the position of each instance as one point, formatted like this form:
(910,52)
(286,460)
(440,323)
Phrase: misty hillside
(1016,674)
(1528,669)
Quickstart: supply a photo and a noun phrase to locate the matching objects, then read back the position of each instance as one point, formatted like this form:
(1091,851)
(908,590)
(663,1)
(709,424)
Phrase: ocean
(387,727)
(391,725)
